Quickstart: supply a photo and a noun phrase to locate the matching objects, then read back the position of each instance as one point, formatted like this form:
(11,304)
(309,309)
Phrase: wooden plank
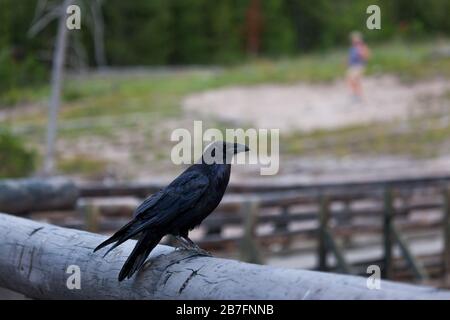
(143,189)
(22,196)
(417,268)
(338,253)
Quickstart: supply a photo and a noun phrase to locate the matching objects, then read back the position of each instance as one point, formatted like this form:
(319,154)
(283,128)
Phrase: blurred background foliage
(175,32)
(15,158)
(292,40)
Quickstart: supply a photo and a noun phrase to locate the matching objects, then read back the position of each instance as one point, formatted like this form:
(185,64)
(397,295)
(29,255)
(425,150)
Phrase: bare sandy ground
(316,106)
(299,106)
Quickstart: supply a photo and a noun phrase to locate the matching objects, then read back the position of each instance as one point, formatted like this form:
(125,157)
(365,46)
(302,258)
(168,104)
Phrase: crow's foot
(180,248)
(188,244)
(201,251)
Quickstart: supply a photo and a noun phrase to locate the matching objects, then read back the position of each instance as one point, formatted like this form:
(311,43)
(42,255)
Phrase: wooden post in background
(324,216)
(249,248)
(91,215)
(446,233)
(283,226)
(345,220)
(387,234)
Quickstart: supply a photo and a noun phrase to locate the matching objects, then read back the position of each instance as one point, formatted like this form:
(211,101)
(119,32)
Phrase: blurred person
(359,54)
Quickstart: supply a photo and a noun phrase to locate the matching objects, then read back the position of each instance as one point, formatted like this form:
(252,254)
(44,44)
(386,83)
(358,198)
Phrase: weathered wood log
(20,196)
(143,189)
(35,257)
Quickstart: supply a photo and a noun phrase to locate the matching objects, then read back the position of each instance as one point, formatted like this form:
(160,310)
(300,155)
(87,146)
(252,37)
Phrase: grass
(105,106)
(82,165)
(419,137)
(161,92)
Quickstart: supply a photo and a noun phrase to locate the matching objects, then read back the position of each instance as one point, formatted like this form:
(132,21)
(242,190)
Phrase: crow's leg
(183,242)
(195,247)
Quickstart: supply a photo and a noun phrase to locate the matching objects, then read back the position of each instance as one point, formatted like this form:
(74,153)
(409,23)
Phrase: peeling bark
(34,258)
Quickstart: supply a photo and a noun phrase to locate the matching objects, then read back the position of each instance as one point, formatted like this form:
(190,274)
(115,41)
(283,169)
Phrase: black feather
(144,246)
(174,210)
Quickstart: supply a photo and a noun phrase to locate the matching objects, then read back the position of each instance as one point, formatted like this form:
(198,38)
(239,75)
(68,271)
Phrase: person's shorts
(355,71)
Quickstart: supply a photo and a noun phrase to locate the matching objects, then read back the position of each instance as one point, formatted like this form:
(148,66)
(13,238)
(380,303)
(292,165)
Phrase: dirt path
(308,107)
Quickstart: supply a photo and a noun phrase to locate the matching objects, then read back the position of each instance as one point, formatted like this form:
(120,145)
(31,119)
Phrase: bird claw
(187,244)
(201,251)
(182,248)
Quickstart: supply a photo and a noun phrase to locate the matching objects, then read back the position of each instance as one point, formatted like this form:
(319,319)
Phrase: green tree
(138,32)
(278,28)
(15,159)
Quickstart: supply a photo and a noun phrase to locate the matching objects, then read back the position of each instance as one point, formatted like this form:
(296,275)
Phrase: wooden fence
(48,262)
(274,220)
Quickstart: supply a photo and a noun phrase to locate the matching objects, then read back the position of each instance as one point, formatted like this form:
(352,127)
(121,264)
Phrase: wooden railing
(44,261)
(329,215)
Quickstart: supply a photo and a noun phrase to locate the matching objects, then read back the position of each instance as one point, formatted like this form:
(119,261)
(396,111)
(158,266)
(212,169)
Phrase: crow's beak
(240,148)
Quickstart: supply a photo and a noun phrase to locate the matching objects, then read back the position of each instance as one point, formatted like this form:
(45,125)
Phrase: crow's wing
(148,203)
(181,195)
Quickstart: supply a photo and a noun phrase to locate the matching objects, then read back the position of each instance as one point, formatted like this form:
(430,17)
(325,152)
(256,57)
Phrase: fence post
(283,226)
(420,273)
(248,247)
(91,214)
(214,231)
(387,233)
(446,226)
(324,216)
(345,219)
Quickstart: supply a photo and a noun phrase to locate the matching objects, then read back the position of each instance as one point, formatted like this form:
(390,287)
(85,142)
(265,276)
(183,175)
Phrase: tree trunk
(59,56)
(35,257)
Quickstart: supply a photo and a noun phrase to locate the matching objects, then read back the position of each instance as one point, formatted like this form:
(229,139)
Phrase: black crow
(179,207)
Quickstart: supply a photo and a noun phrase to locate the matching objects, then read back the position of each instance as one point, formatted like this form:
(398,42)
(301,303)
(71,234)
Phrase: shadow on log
(35,257)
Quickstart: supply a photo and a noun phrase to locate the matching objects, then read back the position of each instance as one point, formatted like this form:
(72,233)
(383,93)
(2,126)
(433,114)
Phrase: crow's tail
(126,232)
(144,246)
